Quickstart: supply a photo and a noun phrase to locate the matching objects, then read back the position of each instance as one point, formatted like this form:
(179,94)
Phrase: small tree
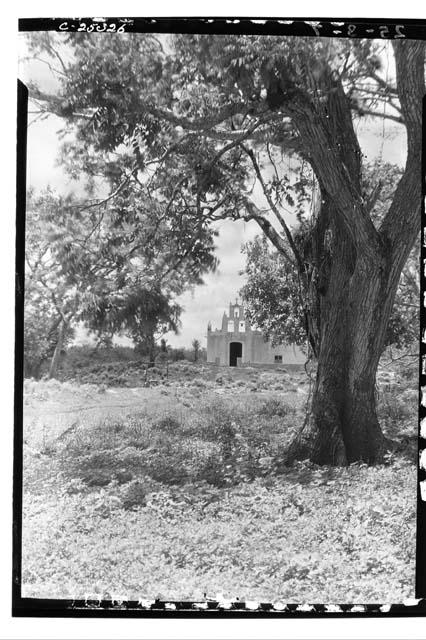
(41,335)
(142,313)
(196,347)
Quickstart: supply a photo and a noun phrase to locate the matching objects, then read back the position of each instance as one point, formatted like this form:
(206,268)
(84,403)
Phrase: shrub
(276,407)
(134,495)
(123,475)
(163,467)
(397,412)
(167,423)
(199,383)
(162,358)
(96,478)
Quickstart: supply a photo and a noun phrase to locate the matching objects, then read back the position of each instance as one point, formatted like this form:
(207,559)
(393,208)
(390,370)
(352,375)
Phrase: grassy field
(176,491)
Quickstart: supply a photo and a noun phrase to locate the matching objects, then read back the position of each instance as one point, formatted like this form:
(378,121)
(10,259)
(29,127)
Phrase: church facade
(236,344)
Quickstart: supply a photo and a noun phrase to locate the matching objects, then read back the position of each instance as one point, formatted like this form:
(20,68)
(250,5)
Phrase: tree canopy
(116,268)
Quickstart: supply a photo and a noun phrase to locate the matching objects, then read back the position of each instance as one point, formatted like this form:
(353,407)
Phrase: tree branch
(374,196)
(54,103)
(268,230)
(388,88)
(112,195)
(204,123)
(401,224)
(333,174)
(377,114)
(274,208)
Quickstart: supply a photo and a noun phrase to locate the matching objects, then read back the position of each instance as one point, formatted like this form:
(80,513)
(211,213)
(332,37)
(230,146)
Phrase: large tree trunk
(343,420)
(342,425)
(355,294)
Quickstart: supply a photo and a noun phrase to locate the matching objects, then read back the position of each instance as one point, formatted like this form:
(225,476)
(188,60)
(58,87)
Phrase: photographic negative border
(119,606)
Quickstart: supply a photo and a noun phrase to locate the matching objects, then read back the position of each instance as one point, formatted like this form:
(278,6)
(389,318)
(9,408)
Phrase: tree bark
(150,349)
(346,427)
(356,295)
(342,425)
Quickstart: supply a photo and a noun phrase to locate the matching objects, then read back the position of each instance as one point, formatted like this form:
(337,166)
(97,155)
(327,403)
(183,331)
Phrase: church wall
(217,347)
(264,353)
(255,350)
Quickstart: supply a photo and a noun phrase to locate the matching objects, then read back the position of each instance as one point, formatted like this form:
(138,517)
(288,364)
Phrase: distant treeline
(76,358)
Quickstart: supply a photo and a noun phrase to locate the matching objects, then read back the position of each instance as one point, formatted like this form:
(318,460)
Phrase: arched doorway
(235,351)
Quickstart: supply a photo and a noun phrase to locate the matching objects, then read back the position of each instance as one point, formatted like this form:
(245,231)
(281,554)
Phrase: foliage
(108,268)
(271,294)
(403,328)
(177,354)
(196,347)
(174,105)
(120,366)
(48,297)
(181,353)
(145,314)
(274,302)
(41,332)
(87,354)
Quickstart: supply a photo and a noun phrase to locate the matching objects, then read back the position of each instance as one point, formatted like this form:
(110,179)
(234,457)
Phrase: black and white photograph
(221,314)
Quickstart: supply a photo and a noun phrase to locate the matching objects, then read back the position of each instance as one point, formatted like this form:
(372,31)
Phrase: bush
(201,384)
(169,424)
(397,412)
(276,407)
(134,495)
(160,465)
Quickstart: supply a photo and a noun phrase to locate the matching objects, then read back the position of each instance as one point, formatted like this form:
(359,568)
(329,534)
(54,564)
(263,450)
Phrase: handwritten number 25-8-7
(351,30)
(383,31)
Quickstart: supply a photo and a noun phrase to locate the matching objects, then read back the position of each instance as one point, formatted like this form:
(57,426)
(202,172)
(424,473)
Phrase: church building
(236,344)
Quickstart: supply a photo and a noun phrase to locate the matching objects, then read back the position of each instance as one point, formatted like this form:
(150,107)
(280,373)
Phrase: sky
(206,302)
